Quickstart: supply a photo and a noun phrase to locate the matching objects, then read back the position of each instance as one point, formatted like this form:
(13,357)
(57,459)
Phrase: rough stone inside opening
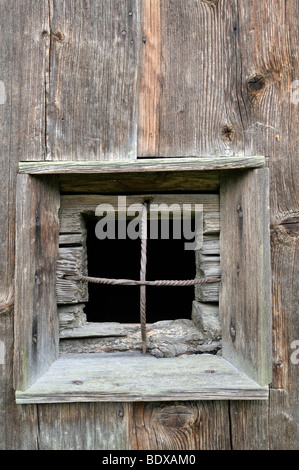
(119,259)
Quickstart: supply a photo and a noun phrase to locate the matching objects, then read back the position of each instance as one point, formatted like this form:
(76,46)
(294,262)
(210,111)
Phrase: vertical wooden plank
(249,425)
(22,116)
(151,85)
(18,424)
(24,65)
(180,426)
(112,426)
(83,426)
(36,318)
(94,79)
(219,123)
(269,68)
(21,112)
(245,299)
(284,418)
(283,407)
(188,101)
(66,427)
(285,260)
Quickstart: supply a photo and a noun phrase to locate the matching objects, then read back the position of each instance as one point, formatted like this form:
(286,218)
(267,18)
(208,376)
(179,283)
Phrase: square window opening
(120,259)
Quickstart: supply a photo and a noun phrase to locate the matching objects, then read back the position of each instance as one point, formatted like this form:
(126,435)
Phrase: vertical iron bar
(143,274)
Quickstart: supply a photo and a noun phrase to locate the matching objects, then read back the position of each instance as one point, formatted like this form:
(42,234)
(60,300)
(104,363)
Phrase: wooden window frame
(244,371)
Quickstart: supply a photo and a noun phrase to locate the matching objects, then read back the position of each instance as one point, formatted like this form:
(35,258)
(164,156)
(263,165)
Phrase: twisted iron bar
(143,263)
(130,282)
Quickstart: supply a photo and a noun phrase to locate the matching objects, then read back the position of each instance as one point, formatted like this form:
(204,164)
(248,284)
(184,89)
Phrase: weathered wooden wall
(209,77)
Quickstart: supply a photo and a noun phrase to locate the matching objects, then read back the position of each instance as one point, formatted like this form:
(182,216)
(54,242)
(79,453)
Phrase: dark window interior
(120,259)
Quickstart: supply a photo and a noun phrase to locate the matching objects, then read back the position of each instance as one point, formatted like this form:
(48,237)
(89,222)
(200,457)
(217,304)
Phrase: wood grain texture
(267,60)
(150,165)
(36,318)
(245,292)
(24,70)
(249,425)
(71,261)
(75,240)
(207,259)
(207,266)
(211,244)
(18,425)
(207,293)
(74,206)
(206,318)
(285,253)
(23,63)
(188,103)
(151,80)
(137,183)
(270,56)
(103,426)
(22,94)
(284,418)
(71,316)
(180,426)
(93,80)
(133,377)
(166,339)
(284,226)
(93,330)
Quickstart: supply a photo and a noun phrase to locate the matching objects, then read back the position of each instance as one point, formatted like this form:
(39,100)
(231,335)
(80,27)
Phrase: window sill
(132,377)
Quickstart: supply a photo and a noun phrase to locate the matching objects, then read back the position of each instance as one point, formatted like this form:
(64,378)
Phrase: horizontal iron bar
(130,282)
